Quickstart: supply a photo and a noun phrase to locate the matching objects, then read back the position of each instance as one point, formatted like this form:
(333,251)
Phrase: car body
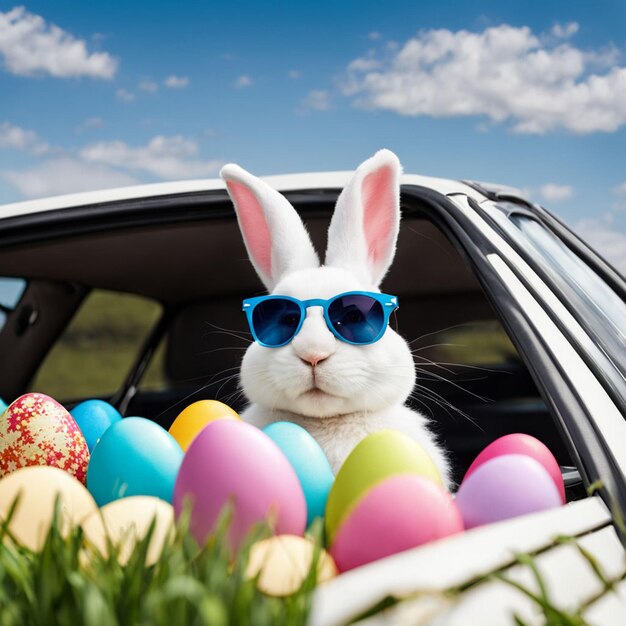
(536,318)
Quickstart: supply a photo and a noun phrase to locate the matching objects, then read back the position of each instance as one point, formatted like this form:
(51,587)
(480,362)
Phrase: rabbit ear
(275,237)
(364,228)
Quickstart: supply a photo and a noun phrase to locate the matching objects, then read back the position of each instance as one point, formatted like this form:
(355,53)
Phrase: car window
(594,301)
(477,343)
(11,290)
(155,377)
(98,347)
(201,351)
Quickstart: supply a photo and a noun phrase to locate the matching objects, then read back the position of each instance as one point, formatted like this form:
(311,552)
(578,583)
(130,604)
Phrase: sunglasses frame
(388,302)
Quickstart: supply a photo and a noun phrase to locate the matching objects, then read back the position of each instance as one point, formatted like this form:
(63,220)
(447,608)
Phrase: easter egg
(93,418)
(309,462)
(400,513)
(380,455)
(195,417)
(38,488)
(281,564)
(504,487)
(231,461)
(3,406)
(37,430)
(134,457)
(519,443)
(126,522)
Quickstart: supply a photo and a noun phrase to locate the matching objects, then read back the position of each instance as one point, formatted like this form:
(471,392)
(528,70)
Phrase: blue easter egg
(308,460)
(93,418)
(3,406)
(134,457)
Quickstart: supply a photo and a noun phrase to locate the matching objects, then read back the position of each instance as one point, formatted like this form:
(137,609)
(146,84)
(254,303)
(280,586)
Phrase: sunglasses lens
(275,321)
(357,318)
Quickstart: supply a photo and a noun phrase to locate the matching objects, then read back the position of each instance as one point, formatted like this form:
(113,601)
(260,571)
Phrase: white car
(134,295)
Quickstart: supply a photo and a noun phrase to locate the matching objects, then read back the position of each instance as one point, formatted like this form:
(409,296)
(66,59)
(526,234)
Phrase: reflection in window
(592,296)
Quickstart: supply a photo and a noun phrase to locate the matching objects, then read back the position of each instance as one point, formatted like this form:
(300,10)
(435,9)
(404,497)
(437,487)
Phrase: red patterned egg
(37,430)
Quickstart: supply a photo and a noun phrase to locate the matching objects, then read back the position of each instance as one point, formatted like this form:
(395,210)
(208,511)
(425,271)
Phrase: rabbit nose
(314,343)
(314,358)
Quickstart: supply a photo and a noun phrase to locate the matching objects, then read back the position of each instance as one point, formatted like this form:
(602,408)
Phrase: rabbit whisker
(429,394)
(435,345)
(436,332)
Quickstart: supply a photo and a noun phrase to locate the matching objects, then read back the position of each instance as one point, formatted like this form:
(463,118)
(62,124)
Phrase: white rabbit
(338,391)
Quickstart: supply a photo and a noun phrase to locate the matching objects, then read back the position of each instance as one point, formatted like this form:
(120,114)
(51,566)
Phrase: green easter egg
(380,455)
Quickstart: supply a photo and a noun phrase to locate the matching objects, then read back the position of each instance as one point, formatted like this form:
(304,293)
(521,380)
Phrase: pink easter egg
(399,513)
(519,443)
(231,461)
(505,487)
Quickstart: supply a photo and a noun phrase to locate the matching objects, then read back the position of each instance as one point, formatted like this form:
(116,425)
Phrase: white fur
(351,391)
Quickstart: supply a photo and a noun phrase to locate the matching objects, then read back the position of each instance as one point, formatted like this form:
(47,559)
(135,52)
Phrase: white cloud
(16,138)
(165,157)
(554,192)
(505,73)
(176,82)
(294,74)
(620,200)
(364,64)
(316,100)
(125,95)
(64,175)
(565,31)
(149,86)
(242,82)
(374,35)
(90,122)
(30,46)
(607,241)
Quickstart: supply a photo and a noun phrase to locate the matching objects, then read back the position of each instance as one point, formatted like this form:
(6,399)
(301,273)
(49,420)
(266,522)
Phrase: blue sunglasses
(356,317)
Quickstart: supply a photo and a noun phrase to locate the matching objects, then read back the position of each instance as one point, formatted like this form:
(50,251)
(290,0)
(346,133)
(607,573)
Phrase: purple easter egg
(520,443)
(504,487)
(231,461)
(400,513)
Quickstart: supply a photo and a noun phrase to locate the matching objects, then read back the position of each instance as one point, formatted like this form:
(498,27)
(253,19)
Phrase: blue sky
(530,94)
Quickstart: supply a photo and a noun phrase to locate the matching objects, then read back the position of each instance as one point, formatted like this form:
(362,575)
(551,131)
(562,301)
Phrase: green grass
(189,584)
(98,348)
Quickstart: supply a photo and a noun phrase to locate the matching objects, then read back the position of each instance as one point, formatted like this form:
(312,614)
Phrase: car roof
(285,183)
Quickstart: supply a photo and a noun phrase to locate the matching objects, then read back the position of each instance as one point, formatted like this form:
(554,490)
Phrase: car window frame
(599,469)
(606,362)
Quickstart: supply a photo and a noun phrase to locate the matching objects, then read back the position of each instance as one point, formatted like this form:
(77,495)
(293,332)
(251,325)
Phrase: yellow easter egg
(380,455)
(126,522)
(283,562)
(37,430)
(37,488)
(195,417)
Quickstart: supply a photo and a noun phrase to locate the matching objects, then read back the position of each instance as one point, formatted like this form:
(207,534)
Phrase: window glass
(155,378)
(11,290)
(97,349)
(599,304)
(480,342)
